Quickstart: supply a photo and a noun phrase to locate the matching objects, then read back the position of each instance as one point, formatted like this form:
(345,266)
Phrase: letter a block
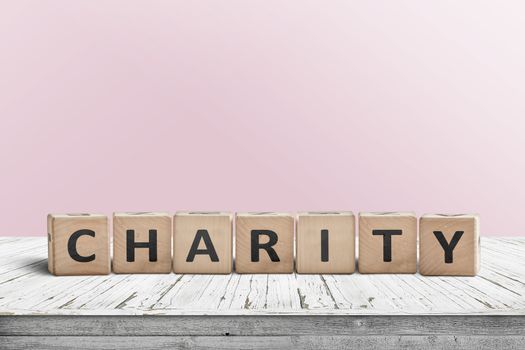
(387,243)
(78,244)
(202,242)
(264,243)
(141,243)
(449,245)
(325,242)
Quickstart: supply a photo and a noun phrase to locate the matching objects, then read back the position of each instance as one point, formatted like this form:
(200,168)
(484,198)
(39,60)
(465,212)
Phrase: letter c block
(264,242)
(78,244)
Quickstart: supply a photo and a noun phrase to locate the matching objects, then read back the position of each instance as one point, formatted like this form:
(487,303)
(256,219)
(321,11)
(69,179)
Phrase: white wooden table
(261,311)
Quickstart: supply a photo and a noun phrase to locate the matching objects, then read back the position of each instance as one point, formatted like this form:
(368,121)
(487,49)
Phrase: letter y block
(449,245)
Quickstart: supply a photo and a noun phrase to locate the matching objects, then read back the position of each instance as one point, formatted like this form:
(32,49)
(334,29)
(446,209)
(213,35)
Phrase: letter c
(72,245)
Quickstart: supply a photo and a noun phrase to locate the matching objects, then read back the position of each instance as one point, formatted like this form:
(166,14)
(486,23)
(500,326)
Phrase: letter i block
(325,242)
(141,243)
(387,243)
(264,243)
(78,244)
(202,242)
(449,245)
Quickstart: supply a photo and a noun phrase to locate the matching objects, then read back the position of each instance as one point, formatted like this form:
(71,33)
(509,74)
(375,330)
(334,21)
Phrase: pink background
(262,105)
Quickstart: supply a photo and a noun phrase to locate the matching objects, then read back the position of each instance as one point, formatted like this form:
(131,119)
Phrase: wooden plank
(260,325)
(27,288)
(281,342)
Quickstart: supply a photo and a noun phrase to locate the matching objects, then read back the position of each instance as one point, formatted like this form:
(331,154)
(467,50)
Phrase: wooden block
(142,242)
(449,245)
(202,242)
(264,242)
(387,243)
(325,242)
(78,244)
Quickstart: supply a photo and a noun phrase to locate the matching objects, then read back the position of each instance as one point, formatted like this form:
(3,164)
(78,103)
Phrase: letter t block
(264,243)
(78,244)
(141,243)
(449,245)
(387,243)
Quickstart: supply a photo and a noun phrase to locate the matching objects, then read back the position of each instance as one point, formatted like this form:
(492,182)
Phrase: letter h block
(264,243)
(449,245)
(202,242)
(387,243)
(78,244)
(141,242)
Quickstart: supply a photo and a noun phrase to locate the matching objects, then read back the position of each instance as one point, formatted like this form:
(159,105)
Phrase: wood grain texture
(61,227)
(282,224)
(392,311)
(218,226)
(465,257)
(141,224)
(403,248)
(339,256)
(27,288)
(261,325)
(281,342)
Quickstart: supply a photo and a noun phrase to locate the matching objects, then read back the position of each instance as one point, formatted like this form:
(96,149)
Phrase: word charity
(202,242)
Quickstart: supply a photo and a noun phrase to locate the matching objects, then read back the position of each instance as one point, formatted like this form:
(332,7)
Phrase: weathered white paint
(26,288)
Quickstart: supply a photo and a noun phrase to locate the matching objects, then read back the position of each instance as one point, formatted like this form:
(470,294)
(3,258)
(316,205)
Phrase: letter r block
(78,244)
(202,242)
(449,245)
(141,242)
(387,243)
(264,243)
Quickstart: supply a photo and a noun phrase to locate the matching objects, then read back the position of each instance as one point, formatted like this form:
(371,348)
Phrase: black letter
(72,246)
(210,249)
(266,246)
(448,247)
(131,245)
(387,242)
(324,245)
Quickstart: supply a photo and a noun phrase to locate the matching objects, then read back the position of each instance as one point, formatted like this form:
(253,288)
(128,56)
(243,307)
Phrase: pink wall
(262,105)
